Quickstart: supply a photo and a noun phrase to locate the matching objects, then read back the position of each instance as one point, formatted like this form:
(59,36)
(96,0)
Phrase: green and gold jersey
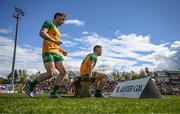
(55,34)
(84,66)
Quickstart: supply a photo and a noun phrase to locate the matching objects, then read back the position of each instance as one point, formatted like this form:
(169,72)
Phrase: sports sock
(98,91)
(33,84)
(55,89)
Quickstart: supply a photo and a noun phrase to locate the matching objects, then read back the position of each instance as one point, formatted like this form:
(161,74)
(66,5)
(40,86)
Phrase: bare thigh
(60,66)
(51,71)
(101,76)
(50,68)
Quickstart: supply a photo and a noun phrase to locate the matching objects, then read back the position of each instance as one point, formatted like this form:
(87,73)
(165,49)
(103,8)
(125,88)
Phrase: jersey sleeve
(47,24)
(93,58)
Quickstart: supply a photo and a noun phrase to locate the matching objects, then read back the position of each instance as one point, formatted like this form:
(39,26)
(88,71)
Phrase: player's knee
(50,74)
(64,72)
(102,76)
(53,72)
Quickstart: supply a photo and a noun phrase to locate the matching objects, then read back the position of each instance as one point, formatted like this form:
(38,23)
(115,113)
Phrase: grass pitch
(21,103)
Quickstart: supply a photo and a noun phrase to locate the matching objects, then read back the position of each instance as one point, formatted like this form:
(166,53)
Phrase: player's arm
(90,68)
(64,52)
(43,33)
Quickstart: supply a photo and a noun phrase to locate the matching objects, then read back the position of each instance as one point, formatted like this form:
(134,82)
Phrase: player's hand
(57,42)
(64,53)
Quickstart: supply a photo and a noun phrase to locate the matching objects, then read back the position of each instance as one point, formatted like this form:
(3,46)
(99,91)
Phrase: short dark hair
(59,14)
(97,46)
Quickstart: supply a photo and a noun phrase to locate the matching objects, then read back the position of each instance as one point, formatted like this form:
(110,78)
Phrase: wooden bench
(82,90)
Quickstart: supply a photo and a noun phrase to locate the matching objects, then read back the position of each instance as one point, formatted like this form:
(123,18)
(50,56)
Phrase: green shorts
(86,77)
(52,57)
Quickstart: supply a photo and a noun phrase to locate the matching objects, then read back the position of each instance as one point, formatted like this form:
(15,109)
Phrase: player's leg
(101,79)
(51,71)
(60,66)
(49,65)
(48,59)
(62,72)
